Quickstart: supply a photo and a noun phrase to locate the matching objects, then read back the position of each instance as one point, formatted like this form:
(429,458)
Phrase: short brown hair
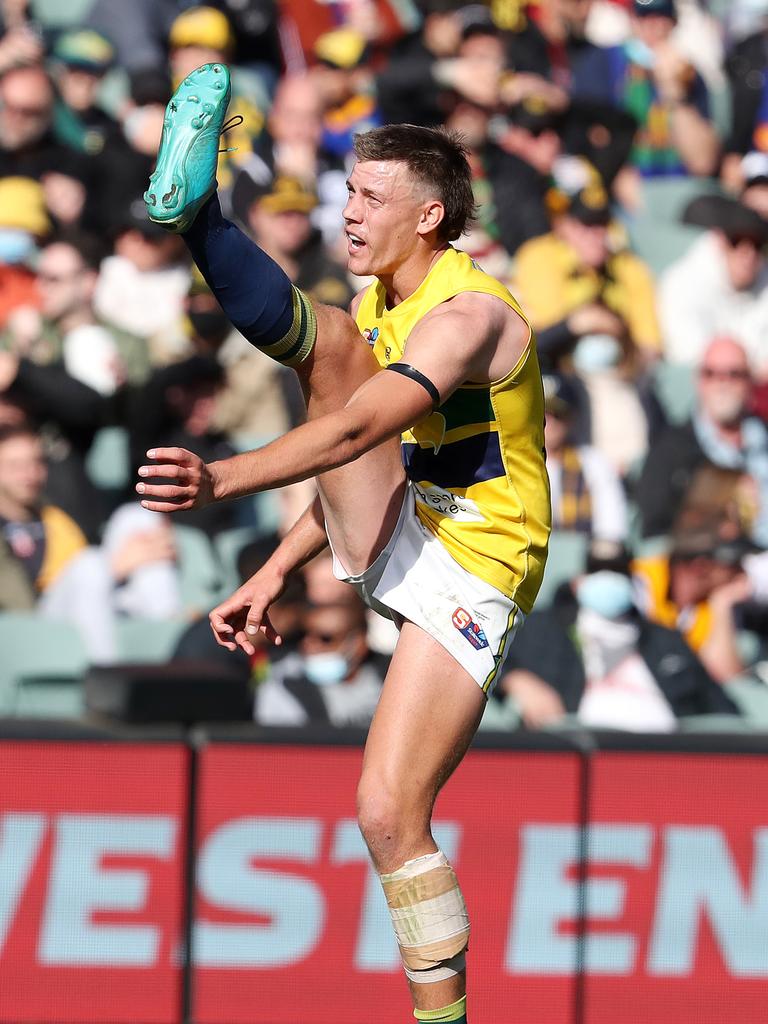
(435,157)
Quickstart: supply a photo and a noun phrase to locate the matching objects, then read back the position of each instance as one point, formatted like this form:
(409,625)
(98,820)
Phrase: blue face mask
(607,593)
(15,246)
(326,668)
(639,53)
(595,352)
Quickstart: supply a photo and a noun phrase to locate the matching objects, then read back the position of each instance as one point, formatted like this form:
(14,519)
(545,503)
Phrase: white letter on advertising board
(699,877)
(227,878)
(79,887)
(545,899)
(376,948)
(20,839)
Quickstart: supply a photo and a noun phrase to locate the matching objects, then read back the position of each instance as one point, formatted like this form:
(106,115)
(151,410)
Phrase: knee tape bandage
(294,347)
(429,916)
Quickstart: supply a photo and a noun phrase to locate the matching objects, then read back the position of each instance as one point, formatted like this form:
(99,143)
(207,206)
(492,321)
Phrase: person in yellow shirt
(696,589)
(579,281)
(427,445)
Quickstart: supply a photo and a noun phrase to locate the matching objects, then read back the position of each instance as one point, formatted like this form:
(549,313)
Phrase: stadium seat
(200,577)
(751,695)
(675,388)
(660,243)
(665,199)
(41,666)
(567,558)
(228,546)
(108,461)
(54,14)
(148,641)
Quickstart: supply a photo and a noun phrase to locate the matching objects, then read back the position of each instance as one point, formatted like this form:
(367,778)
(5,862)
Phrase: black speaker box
(178,691)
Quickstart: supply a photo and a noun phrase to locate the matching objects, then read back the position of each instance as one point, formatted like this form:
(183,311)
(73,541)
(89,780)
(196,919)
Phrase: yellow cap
(22,206)
(287,195)
(343,47)
(202,26)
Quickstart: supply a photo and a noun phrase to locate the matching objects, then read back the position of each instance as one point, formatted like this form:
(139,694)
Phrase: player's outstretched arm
(236,621)
(382,408)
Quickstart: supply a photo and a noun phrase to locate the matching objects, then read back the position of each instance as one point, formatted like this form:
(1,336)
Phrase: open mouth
(354,242)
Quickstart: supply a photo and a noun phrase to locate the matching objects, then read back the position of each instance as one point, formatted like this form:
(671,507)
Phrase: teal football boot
(185,175)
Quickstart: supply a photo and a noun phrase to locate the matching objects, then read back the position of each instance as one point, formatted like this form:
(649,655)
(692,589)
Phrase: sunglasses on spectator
(735,374)
(33,113)
(58,278)
(734,241)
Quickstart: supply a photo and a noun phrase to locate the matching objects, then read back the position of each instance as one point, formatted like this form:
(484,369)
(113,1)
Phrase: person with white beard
(720,432)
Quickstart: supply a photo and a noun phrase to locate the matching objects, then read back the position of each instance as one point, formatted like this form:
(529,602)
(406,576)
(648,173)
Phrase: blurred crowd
(619,150)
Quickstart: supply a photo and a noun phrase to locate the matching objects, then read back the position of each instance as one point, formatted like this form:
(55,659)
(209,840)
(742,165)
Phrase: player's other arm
(236,621)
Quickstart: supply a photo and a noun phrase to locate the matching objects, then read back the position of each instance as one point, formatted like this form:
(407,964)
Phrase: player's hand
(192,481)
(238,621)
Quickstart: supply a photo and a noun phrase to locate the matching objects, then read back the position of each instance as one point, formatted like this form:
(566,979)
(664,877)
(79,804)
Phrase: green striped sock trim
(456,1013)
(296,345)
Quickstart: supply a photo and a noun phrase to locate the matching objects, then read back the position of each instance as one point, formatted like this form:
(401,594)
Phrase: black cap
(535,115)
(608,556)
(721,213)
(560,395)
(663,8)
(136,217)
(191,372)
(707,542)
(591,205)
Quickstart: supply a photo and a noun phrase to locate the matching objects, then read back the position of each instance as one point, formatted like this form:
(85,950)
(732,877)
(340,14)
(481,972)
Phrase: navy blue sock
(256,295)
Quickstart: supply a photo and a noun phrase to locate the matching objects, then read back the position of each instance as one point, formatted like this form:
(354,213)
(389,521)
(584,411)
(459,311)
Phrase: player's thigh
(361,500)
(429,710)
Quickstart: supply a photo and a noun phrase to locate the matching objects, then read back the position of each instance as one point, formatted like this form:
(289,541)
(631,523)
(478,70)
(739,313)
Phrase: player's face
(382,217)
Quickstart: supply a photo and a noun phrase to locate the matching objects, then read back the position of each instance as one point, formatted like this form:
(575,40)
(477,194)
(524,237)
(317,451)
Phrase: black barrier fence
(216,876)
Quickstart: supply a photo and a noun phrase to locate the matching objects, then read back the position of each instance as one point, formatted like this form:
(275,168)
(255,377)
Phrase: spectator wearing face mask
(595,656)
(337,680)
(720,432)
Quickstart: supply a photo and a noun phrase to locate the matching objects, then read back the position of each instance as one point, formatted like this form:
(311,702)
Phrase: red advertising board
(677,893)
(669,922)
(290,922)
(92,840)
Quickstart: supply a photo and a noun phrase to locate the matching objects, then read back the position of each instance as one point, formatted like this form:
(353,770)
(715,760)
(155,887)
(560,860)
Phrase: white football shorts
(415,578)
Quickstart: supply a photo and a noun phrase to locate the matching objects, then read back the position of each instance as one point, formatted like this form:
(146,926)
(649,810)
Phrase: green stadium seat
(751,696)
(200,576)
(659,243)
(665,199)
(54,14)
(148,641)
(675,388)
(228,546)
(108,462)
(567,558)
(41,666)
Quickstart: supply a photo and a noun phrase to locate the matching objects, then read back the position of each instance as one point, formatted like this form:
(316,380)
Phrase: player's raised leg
(362,500)
(428,713)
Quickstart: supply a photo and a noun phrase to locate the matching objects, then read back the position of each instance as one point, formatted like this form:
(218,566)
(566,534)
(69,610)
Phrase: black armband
(418,376)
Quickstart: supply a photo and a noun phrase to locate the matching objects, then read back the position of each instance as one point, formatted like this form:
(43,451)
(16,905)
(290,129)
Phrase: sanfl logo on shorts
(462,620)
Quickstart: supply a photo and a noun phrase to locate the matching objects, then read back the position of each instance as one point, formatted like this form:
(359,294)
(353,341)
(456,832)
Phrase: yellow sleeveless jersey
(477,463)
